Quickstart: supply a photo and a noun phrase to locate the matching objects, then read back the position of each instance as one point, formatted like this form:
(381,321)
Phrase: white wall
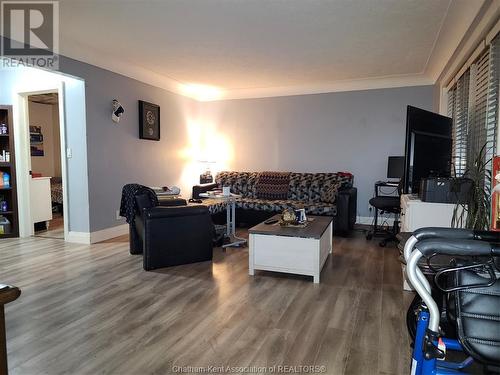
(47,117)
(26,80)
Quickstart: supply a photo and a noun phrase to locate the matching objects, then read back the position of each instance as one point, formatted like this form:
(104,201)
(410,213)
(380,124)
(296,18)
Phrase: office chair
(388,203)
(385,204)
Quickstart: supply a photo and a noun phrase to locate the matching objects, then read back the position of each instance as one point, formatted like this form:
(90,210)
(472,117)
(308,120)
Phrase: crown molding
(86,54)
(455,25)
(335,86)
(105,61)
(485,19)
(449,40)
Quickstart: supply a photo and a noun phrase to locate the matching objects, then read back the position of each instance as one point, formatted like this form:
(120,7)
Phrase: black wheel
(382,243)
(411,317)
(369,236)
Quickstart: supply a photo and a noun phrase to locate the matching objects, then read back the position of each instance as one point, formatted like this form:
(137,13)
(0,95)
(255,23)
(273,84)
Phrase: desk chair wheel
(382,243)
(369,236)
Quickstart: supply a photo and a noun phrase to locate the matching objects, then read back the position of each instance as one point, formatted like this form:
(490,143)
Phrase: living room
(297,93)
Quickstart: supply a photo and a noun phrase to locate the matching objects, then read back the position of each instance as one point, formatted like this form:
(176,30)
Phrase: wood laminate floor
(92,309)
(55,229)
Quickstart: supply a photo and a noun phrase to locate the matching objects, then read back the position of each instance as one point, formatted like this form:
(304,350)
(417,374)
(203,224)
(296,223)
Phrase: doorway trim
(22,144)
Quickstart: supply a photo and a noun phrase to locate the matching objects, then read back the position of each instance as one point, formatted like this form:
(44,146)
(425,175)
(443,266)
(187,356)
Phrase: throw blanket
(272,185)
(56,191)
(128,206)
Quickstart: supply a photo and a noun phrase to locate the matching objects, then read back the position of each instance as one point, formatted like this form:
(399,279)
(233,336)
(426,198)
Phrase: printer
(445,189)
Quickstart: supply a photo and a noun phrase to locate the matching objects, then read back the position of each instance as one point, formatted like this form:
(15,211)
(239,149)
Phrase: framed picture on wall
(149,121)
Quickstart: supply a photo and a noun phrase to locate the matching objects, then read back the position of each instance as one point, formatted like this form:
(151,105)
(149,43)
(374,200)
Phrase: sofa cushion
(329,188)
(280,205)
(316,186)
(228,179)
(346,179)
(251,190)
(276,205)
(298,187)
(272,185)
(215,205)
(329,192)
(240,182)
(321,208)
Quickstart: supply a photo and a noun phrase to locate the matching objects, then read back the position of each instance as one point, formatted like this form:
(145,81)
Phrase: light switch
(69,153)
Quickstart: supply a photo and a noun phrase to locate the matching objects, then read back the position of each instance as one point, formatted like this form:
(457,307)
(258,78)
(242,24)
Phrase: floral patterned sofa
(266,193)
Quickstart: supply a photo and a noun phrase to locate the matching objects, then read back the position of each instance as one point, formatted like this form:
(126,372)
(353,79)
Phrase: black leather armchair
(170,236)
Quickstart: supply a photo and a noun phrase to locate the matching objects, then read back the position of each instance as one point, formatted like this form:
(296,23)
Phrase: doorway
(46,193)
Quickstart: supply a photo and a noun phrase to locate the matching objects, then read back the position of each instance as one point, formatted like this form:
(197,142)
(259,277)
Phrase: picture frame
(149,121)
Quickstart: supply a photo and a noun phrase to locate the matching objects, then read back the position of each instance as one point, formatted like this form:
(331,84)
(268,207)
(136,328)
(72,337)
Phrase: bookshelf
(8,166)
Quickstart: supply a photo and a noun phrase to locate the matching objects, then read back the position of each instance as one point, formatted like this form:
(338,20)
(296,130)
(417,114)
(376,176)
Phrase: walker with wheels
(465,295)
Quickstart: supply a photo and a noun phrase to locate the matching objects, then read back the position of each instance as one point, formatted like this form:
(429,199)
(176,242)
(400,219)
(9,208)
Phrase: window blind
(473,105)
(492,101)
(478,97)
(458,109)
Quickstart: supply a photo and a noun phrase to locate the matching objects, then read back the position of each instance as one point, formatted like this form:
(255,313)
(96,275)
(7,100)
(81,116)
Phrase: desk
(392,186)
(384,201)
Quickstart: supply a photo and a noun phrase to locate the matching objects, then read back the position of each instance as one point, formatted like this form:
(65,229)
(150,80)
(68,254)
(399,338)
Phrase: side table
(230,202)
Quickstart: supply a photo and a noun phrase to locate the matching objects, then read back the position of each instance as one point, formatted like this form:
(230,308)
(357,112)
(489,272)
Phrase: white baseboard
(368,220)
(78,237)
(108,233)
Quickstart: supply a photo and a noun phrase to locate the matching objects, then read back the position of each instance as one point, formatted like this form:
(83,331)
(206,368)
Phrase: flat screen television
(428,147)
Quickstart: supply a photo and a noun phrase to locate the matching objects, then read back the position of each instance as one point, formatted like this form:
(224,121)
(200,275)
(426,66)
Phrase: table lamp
(206,177)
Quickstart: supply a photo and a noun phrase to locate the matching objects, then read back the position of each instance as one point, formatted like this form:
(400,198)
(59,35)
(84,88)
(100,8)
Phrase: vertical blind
(473,105)
(458,109)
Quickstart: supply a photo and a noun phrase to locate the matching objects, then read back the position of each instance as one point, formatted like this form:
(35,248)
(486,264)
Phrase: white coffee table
(230,201)
(300,251)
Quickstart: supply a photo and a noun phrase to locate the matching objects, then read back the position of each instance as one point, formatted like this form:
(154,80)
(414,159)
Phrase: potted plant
(475,211)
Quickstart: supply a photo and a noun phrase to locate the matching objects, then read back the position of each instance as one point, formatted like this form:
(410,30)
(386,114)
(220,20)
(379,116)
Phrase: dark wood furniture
(9,193)
(8,294)
(314,229)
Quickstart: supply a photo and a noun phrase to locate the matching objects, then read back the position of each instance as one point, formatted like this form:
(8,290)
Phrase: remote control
(270,221)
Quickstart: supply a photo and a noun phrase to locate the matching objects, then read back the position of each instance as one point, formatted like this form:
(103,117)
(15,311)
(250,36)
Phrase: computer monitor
(396,167)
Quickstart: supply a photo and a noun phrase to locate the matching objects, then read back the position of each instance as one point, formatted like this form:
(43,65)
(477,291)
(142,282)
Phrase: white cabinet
(416,214)
(41,202)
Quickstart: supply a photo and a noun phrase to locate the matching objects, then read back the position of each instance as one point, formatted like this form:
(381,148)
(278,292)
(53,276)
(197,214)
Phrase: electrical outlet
(118,217)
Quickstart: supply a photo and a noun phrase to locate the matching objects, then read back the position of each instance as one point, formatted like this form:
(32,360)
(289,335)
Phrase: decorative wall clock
(149,121)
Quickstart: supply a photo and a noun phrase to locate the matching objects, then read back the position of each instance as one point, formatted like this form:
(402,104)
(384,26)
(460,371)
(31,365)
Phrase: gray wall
(350,131)
(116,155)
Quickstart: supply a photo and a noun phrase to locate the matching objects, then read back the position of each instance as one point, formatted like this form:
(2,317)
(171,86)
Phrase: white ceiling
(51,98)
(249,48)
